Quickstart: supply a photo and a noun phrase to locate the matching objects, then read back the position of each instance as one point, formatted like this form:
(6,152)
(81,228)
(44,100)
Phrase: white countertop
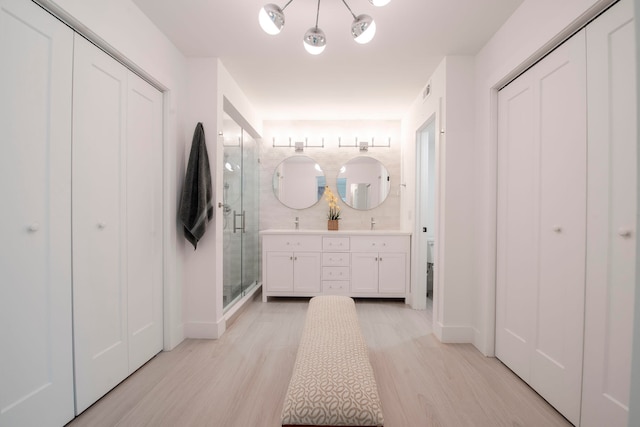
(338,232)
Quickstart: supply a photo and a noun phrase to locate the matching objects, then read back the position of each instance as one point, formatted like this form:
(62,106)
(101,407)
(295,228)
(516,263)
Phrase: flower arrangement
(332,200)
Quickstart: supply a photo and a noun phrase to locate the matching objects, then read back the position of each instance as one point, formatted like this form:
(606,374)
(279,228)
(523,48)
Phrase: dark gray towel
(196,207)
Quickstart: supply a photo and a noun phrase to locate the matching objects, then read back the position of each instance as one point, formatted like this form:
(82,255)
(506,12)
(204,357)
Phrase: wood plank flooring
(240,380)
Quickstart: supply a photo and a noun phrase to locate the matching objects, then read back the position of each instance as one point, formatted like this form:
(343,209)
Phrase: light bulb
(379,3)
(363,29)
(271,19)
(314,41)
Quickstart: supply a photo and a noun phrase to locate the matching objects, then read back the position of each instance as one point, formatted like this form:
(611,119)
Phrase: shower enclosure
(240,206)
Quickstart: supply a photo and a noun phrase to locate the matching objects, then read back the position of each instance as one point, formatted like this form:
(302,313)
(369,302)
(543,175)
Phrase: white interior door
(611,215)
(542,174)
(36,360)
(99,251)
(144,219)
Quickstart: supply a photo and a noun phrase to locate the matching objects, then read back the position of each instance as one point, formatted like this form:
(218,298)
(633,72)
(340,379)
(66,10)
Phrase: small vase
(332,224)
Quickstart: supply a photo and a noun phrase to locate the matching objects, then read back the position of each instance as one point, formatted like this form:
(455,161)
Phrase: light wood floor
(240,380)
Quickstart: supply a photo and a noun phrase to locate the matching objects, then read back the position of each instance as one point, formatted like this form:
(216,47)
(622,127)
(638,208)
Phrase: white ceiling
(379,80)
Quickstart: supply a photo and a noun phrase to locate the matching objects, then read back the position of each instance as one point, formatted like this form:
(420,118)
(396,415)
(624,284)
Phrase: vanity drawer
(292,243)
(335,273)
(335,287)
(380,244)
(335,243)
(335,259)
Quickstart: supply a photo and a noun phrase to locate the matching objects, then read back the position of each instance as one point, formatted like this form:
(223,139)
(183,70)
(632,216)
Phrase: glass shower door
(240,200)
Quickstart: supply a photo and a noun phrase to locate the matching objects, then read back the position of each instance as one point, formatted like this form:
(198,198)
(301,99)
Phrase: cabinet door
(364,273)
(144,218)
(306,272)
(99,234)
(392,271)
(279,272)
(36,373)
(611,213)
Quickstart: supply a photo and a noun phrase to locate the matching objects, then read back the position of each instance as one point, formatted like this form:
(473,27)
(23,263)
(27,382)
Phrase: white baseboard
(455,334)
(205,330)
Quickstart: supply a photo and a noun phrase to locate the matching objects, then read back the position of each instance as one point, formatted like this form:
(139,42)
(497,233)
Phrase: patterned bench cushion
(332,382)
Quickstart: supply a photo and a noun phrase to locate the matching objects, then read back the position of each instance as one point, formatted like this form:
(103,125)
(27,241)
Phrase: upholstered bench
(332,382)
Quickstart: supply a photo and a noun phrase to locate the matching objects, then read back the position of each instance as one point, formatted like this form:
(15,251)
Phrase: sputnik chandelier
(363,28)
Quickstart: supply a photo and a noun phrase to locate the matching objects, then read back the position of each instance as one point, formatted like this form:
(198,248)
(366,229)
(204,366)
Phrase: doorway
(426,213)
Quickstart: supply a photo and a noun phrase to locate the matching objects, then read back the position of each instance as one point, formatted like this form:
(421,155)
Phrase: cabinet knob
(557,228)
(102,225)
(295,258)
(291,258)
(380,258)
(34,227)
(624,232)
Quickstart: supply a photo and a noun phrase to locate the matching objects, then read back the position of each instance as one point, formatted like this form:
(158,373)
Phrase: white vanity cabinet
(371,264)
(291,265)
(379,265)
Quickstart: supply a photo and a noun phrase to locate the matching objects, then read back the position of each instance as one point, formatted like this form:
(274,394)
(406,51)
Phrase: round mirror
(363,183)
(298,182)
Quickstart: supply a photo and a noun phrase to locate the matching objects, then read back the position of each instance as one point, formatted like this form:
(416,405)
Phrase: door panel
(364,272)
(279,271)
(611,212)
(557,360)
(36,362)
(392,272)
(541,225)
(306,272)
(99,233)
(517,223)
(144,218)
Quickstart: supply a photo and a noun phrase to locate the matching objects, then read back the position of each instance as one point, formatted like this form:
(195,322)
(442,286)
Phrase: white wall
(533,29)
(200,317)
(451,101)
(121,26)
(209,85)
(274,215)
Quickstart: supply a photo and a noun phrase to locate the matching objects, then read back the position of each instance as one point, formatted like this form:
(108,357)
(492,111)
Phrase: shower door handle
(235,227)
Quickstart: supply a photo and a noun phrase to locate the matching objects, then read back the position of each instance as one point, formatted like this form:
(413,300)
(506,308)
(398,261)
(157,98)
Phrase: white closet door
(36,361)
(144,218)
(99,250)
(517,277)
(540,293)
(611,215)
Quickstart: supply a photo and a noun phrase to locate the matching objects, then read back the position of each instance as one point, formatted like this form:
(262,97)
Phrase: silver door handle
(235,226)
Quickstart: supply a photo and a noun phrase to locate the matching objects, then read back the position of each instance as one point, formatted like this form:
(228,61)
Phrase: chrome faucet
(297,223)
(373,222)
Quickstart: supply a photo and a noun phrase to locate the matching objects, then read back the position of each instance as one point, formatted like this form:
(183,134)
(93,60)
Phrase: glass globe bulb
(379,3)
(271,19)
(363,29)
(314,41)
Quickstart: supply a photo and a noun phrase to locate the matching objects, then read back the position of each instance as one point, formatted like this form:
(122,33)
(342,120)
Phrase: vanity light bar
(364,145)
(298,145)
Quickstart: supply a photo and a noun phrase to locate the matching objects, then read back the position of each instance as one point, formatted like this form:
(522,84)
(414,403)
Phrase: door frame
(420,244)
